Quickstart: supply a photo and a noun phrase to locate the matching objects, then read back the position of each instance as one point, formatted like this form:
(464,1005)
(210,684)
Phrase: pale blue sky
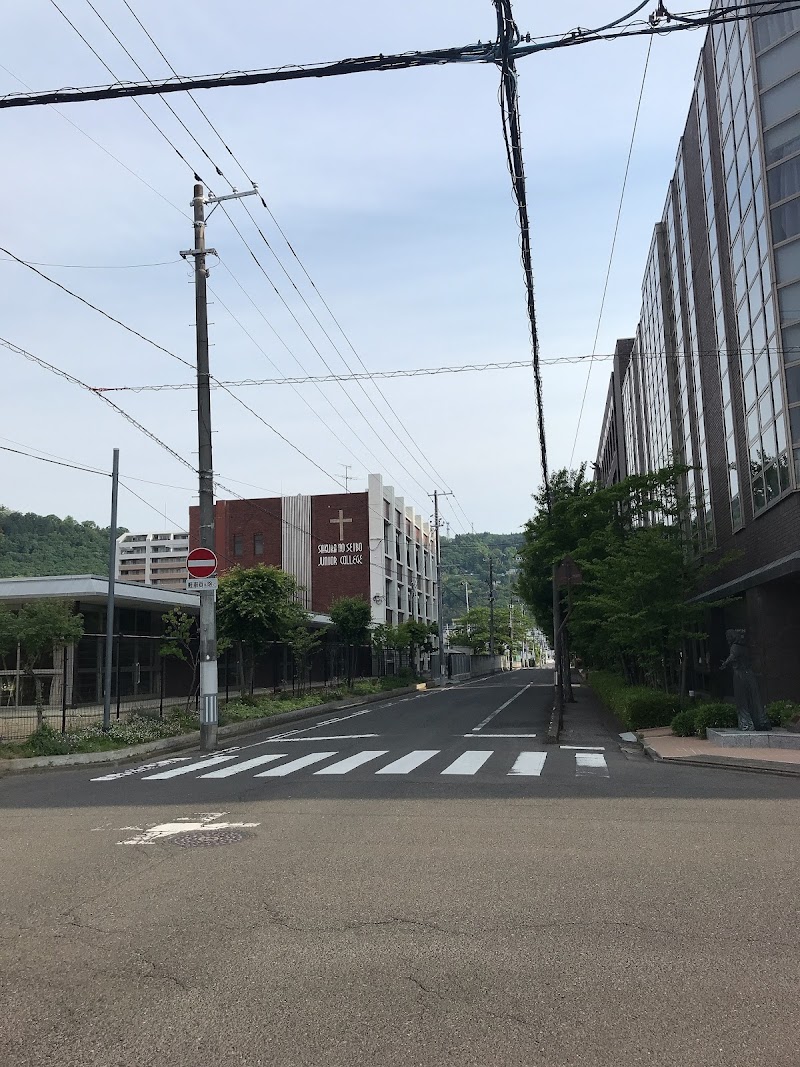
(393,190)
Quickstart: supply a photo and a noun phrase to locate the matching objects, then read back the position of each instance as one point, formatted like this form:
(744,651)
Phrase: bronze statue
(749,706)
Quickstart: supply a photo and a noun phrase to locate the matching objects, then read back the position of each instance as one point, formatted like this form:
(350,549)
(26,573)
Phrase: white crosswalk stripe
(295,765)
(519,764)
(468,763)
(410,762)
(350,764)
(529,763)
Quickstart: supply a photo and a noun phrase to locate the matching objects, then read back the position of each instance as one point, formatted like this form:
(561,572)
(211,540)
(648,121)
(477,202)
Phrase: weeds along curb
(191,740)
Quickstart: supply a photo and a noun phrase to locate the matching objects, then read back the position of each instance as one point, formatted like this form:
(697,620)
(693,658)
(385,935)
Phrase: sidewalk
(661,744)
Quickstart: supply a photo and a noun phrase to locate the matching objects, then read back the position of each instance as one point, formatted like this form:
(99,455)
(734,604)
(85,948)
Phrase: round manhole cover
(209,838)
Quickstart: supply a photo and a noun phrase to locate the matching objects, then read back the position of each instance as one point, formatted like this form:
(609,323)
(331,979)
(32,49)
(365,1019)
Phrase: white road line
(295,765)
(591,763)
(472,735)
(336,737)
(190,768)
(502,707)
(468,763)
(237,768)
(409,762)
(583,748)
(529,763)
(351,762)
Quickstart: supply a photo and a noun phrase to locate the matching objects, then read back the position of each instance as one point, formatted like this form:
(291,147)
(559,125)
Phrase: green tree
(43,627)
(465,560)
(33,545)
(182,641)
(303,643)
(351,615)
(417,637)
(256,606)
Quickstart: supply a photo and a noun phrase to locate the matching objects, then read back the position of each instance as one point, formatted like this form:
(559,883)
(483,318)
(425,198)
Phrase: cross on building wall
(340,522)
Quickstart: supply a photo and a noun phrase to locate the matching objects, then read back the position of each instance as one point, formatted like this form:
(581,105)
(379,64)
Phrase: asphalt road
(440,889)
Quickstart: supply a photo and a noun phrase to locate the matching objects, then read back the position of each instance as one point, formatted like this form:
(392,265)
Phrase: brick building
(369,544)
(713,378)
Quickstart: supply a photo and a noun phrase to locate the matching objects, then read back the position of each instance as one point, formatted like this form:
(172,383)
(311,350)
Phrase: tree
(351,615)
(43,627)
(303,643)
(418,637)
(256,607)
(182,641)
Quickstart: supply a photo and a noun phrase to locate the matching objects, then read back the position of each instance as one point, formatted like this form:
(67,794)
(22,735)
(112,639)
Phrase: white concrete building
(402,558)
(157,559)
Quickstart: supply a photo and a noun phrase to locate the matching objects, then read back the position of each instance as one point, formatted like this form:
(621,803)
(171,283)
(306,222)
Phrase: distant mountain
(33,545)
(465,559)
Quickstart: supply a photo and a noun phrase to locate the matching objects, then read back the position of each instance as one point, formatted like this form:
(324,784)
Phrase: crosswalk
(469,763)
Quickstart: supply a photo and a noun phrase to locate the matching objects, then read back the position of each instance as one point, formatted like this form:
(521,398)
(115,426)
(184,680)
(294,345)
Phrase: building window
(258,544)
(238,544)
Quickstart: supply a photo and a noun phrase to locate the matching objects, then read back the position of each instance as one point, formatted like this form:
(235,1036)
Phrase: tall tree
(42,628)
(182,641)
(351,615)
(256,606)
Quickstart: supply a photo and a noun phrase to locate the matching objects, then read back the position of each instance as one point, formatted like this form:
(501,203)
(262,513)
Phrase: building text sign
(341,554)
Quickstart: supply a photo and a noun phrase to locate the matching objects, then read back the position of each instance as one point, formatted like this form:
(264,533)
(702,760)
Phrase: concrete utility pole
(112,574)
(209,685)
(491,606)
(558,666)
(511,633)
(439,601)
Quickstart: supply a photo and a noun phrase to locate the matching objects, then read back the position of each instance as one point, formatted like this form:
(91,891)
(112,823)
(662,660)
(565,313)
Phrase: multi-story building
(371,545)
(713,379)
(157,559)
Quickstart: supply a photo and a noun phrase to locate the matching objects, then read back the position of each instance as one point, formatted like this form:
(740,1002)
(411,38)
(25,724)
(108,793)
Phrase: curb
(553,730)
(184,741)
(753,766)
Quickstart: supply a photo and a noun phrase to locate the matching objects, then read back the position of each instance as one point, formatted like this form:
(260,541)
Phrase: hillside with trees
(33,545)
(465,559)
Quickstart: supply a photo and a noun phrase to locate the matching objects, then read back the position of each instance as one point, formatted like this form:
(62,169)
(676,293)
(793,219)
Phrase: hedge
(637,706)
(783,713)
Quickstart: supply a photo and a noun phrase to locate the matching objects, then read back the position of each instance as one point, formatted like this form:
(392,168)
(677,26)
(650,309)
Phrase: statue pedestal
(753,738)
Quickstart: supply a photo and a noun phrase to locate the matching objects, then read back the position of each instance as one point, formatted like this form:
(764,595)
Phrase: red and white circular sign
(201,563)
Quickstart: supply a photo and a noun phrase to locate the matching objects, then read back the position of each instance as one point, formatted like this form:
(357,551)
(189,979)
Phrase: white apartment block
(157,559)
(402,556)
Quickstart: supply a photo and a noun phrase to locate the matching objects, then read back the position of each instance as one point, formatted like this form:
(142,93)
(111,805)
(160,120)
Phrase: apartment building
(157,559)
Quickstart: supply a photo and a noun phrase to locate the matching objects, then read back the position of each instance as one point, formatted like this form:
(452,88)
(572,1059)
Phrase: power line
(55,462)
(95,266)
(613,243)
(472,53)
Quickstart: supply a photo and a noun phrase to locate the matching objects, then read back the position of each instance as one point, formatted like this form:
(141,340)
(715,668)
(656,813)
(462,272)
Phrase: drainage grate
(209,838)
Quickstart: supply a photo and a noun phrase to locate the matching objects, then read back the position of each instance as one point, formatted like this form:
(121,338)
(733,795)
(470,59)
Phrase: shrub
(783,712)
(715,717)
(638,707)
(684,724)
(47,742)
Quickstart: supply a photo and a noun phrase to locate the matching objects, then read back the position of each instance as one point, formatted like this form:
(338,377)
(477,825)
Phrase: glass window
(786,221)
(791,344)
(778,63)
(238,544)
(793,384)
(258,544)
(783,181)
(780,102)
(789,302)
(762,372)
(794,423)
(749,389)
(772,28)
(782,140)
(787,262)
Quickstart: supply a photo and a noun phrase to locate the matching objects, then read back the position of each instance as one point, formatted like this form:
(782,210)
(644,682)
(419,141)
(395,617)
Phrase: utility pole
(558,666)
(511,633)
(439,600)
(209,712)
(491,606)
(112,573)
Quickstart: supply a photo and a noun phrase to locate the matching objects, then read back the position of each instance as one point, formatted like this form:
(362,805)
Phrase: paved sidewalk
(661,744)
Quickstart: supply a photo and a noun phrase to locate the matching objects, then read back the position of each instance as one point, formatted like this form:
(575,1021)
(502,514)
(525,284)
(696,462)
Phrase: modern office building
(371,545)
(157,559)
(713,377)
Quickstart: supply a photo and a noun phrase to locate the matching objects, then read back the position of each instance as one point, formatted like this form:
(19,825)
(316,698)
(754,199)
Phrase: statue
(749,706)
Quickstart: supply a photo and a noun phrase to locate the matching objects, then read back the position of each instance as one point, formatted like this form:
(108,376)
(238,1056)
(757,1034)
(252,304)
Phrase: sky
(392,189)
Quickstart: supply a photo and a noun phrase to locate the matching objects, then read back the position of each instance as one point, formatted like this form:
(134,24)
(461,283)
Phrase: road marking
(335,737)
(201,821)
(237,768)
(583,748)
(140,770)
(305,729)
(468,763)
(472,735)
(502,707)
(188,770)
(351,762)
(409,762)
(295,765)
(529,763)
(591,763)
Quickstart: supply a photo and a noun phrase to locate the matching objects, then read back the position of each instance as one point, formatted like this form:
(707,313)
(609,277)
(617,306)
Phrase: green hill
(32,545)
(465,558)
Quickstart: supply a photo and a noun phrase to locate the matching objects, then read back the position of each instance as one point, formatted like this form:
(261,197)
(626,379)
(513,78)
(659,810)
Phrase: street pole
(209,681)
(511,633)
(491,607)
(439,599)
(112,568)
(559,692)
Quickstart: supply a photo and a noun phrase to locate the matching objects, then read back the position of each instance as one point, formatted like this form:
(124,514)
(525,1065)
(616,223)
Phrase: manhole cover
(209,838)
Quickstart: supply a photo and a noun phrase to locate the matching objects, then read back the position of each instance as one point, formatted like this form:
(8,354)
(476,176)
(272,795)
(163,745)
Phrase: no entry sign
(201,563)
